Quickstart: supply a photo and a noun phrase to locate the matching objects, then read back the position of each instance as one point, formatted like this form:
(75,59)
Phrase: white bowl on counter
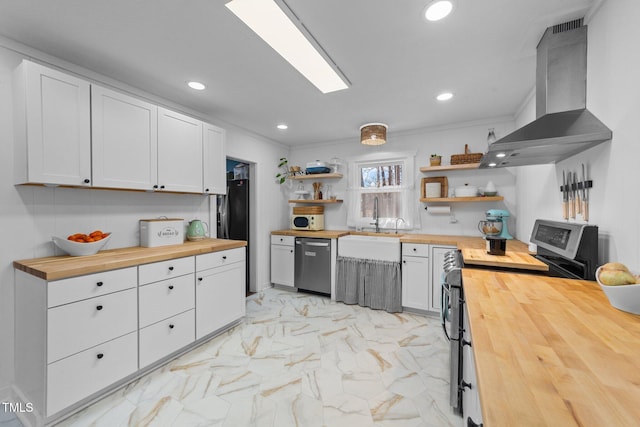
(80,249)
(622,297)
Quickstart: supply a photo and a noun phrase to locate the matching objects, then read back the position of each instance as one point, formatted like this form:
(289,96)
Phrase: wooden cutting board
(511,259)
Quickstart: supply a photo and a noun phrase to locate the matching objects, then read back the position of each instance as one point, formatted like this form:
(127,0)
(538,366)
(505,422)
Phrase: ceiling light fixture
(282,126)
(444,96)
(492,165)
(279,27)
(373,133)
(438,9)
(196,85)
(501,155)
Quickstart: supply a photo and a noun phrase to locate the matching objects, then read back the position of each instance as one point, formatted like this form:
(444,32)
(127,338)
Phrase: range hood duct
(563,127)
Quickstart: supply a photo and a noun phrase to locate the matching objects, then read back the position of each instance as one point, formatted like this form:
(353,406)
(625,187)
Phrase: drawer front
(165,337)
(149,273)
(92,285)
(283,240)
(218,259)
(415,249)
(166,298)
(74,378)
(75,327)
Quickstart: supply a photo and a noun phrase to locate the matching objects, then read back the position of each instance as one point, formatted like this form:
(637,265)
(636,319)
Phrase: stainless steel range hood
(563,127)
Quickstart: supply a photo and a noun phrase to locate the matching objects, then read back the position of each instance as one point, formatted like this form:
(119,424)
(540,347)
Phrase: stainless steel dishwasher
(313,265)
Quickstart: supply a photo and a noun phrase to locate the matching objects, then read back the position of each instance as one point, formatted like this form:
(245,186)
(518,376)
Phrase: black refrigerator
(233,214)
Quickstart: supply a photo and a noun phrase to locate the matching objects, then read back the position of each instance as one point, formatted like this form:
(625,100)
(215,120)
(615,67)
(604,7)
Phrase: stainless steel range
(570,250)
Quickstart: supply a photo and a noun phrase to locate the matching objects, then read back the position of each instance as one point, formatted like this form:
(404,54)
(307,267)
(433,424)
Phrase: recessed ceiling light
(444,96)
(279,27)
(500,155)
(196,85)
(492,165)
(282,126)
(438,9)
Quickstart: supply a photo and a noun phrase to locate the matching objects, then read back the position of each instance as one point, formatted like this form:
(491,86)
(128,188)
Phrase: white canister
(161,232)
(432,189)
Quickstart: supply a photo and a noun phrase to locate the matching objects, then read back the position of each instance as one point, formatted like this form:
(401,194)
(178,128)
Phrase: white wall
(613,95)
(444,141)
(31,215)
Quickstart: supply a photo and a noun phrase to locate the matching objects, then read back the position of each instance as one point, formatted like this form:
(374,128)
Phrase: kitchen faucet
(376,221)
(397,221)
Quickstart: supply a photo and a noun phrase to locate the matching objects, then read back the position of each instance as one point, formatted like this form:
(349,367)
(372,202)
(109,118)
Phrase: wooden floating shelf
(461,199)
(314,202)
(449,167)
(316,176)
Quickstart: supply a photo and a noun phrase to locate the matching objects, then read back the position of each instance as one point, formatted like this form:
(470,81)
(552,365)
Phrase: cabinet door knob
(155,186)
(87,180)
(199,279)
(291,251)
(282,240)
(404,261)
(206,190)
(170,286)
(99,307)
(171,326)
(465,342)
(161,187)
(471,423)
(464,384)
(414,249)
(170,268)
(99,284)
(100,355)
(224,257)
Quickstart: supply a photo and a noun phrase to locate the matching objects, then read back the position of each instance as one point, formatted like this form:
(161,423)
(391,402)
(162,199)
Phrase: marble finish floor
(296,360)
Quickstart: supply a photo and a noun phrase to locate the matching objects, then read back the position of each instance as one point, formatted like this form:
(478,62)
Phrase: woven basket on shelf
(467,157)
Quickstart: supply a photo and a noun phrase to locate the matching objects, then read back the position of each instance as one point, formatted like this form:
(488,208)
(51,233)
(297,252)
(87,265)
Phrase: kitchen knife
(572,207)
(565,197)
(578,202)
(585,195)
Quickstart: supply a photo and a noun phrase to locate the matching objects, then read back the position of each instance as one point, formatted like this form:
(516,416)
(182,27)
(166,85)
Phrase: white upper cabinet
(214,160)
(179,152)
(124,140)
(52,132)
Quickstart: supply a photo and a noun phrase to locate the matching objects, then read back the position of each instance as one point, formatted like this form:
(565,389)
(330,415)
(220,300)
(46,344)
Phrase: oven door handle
(444,305)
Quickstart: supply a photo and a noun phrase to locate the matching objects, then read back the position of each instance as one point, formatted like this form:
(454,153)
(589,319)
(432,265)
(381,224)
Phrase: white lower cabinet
(81,336)
(165,337)
(71,379)
(220,297)
(415,285)
(282,260)
(471,410)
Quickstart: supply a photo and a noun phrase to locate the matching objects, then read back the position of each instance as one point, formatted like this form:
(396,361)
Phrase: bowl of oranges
(80,244)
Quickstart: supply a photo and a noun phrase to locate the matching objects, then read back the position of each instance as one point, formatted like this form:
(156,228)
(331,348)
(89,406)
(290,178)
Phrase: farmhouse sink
(381,248)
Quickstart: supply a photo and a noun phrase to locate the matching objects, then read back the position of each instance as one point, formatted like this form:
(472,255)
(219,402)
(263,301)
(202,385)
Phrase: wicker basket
(467,157)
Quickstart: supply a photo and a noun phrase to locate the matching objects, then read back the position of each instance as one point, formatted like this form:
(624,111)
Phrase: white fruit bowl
(80,249)
(622,297)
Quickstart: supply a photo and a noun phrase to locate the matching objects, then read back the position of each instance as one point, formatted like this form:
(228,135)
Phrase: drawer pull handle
(100,355)
(170,268)
(99,284)
(162,186)
(224,257)
(99,308)
(414,249)
(464,384)
(291,251)
(171,326)
(206,190)
(199,279)
(170,286)
(87,180)
(155,186)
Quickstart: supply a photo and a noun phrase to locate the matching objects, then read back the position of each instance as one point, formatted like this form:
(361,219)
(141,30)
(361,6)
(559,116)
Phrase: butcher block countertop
(60,267)
(551,352)
(473,249)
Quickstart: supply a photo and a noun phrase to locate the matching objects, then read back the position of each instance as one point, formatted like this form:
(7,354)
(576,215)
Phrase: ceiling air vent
(568,26)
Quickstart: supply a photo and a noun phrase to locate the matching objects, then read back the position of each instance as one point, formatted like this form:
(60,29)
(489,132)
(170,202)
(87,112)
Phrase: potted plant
(281,176)
(435,160)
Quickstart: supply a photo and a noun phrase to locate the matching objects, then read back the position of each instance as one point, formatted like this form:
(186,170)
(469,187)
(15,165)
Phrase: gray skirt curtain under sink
(369,283)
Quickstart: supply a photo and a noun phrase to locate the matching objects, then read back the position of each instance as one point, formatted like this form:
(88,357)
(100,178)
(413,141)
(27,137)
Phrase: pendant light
(373,133)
